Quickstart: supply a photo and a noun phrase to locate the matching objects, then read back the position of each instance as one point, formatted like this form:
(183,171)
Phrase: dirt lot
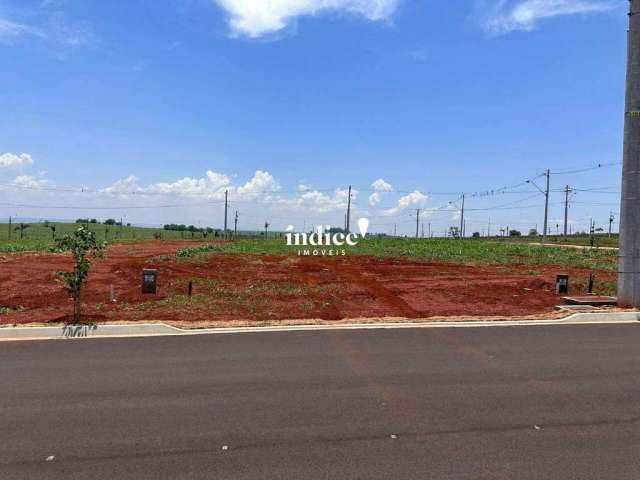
(266,288)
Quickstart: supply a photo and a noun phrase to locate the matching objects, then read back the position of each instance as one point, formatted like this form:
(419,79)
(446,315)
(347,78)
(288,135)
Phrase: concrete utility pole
(567,190)
(489,228)
(629,266)
(9,227)
(226,205)
(349,210)
(546,207)
(462,218)
(417,222)
(422,230)
(235,226)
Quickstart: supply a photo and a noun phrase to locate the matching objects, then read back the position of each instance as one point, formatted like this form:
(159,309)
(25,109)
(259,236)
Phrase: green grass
(599,240)
(39,237)
(475,251)
(8,310)
(458,251)
(192,252)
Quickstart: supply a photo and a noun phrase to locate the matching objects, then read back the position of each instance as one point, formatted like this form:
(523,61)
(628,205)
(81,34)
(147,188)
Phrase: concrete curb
(160,329)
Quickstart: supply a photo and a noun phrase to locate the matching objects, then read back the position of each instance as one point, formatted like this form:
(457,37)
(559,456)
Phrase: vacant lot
(264,281)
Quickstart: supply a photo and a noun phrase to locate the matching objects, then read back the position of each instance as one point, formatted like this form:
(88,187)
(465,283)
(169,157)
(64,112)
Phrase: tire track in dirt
(357,274)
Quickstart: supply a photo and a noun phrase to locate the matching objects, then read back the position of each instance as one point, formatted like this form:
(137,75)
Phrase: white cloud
(503,16)
(27,181)
(374,199)
(379,186)
(54,28)
(13,160)
(256,18)
(212,185)
(315,201)
(262,182)
(10,30)
(415,199)
(123,185)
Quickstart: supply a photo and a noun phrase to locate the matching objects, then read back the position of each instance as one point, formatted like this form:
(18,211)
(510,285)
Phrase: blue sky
(285,103)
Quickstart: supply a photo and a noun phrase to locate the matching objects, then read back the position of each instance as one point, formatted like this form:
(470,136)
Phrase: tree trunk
(77,299)
(76,308)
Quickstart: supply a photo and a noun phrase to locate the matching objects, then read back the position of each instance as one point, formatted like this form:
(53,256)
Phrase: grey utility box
(149,280)
(562,284)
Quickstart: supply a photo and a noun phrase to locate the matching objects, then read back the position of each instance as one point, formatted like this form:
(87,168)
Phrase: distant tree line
(192,229)
(108,221)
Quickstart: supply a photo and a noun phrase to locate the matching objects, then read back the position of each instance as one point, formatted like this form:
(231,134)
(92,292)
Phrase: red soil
(264,287)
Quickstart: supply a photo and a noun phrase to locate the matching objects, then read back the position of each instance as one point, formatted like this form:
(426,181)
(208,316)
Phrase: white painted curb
(160,329)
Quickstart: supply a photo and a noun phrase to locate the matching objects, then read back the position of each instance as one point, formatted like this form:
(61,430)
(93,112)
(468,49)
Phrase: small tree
(82,244)
(22,227)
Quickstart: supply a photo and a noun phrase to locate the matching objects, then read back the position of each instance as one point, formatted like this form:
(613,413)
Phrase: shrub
(82,244)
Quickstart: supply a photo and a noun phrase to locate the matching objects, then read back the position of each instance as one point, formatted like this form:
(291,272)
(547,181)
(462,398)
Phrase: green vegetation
(512,250)
(81,243)
(474,251)
(191,252)
(8,310)
(40,236)
(599,240)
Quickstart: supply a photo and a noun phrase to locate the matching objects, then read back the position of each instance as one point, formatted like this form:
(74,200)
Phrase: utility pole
(567,190)
(462,218)
(417,222)
(546,207)
(429,229)
(394,229)
(226,205)
(423,230)
(611,218)
(629,267)
(349,210)
(489,228)
(235,227)
(9,227)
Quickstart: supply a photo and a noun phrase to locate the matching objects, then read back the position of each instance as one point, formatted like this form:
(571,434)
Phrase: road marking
(50,458)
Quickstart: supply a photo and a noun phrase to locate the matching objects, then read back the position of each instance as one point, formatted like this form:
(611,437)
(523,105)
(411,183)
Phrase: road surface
(543,402)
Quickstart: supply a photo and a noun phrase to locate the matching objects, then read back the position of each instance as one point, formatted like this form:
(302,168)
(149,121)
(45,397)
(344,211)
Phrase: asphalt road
(559,402)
